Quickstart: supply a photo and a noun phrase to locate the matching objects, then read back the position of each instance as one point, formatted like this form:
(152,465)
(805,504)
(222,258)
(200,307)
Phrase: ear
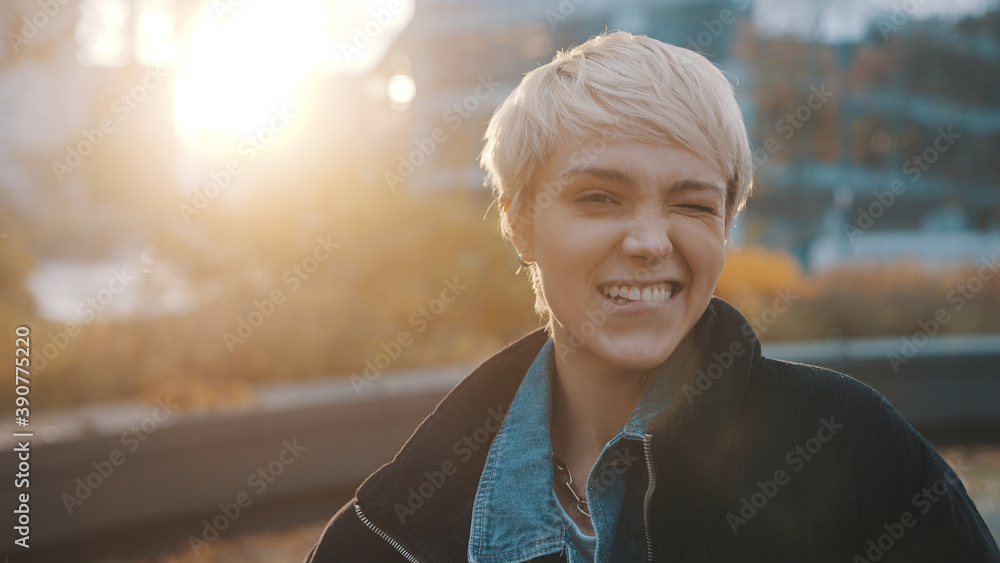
(520,227)
(504,202)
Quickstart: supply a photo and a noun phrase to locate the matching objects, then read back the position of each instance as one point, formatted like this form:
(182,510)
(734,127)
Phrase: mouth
(635,293)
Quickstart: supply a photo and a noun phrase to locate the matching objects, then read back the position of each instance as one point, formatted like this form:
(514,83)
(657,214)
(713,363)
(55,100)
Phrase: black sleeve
(913,506)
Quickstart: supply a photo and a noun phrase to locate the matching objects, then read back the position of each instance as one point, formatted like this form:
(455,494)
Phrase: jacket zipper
(383,535)
(647,447)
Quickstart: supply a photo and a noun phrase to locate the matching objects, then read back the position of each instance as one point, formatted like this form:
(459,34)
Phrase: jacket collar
(423,498)
(692,435)
(515,515)
(444,458)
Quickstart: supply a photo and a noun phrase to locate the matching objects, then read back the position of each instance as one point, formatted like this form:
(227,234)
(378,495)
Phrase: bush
(392,262)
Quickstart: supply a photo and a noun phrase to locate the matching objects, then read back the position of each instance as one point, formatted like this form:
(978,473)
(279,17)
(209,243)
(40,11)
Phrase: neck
(590,404)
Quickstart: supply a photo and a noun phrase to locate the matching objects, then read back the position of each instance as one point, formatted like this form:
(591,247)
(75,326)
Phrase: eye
(701,208)
(595,197)
(704,208)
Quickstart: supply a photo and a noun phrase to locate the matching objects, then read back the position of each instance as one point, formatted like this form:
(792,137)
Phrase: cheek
(568,252)
(704,249)
(568,245)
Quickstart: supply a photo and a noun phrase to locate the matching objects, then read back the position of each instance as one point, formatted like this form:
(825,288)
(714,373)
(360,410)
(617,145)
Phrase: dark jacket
(755,460)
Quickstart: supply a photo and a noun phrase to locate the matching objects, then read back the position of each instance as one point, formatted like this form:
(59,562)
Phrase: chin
(630,338)
(636,352)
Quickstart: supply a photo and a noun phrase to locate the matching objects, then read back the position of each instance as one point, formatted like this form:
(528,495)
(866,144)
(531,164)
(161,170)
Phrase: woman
(643,424)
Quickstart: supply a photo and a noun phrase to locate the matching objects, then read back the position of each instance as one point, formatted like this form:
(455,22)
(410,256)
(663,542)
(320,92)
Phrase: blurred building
(892,93)
(458,46)
(869,146)
(904,164)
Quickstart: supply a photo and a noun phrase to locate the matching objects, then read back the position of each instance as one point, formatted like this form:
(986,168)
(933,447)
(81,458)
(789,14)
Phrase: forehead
(628,162)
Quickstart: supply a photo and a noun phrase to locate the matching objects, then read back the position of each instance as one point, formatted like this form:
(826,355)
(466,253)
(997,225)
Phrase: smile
(622,294)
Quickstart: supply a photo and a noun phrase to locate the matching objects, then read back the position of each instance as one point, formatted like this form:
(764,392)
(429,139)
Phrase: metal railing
(97,477)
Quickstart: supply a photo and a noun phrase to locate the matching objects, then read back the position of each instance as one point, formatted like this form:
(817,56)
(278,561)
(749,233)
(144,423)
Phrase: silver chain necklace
(562,475)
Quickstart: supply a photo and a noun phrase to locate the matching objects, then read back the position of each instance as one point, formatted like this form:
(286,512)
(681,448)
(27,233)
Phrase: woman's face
(629,243)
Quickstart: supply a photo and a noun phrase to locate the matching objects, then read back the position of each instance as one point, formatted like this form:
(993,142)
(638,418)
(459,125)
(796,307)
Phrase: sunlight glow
(155,43)
(245,65)
(402,89)
(360,32)
(256,57)
(102,32)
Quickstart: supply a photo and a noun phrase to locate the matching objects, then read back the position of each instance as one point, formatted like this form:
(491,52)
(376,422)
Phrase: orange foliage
(752,271)
(373,284)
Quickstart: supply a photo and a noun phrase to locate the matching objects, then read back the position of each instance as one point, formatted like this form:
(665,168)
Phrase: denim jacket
(516,515)
(752,459)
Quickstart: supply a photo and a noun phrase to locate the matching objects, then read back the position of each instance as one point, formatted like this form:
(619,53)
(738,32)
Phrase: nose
(648,238)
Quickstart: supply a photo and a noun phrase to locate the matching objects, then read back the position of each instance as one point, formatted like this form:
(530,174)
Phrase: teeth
(625,293)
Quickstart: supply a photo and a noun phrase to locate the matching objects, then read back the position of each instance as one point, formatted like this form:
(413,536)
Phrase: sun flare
(245,65)
(251,58)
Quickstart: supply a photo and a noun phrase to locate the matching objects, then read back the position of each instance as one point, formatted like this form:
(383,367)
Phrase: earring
(520,258)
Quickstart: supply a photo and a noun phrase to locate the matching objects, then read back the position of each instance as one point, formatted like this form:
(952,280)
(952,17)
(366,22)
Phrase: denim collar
(515,516)
(519,465)
(697,426)
(660,390)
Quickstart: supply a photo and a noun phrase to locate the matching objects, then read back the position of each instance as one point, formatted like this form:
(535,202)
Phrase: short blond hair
(621,86)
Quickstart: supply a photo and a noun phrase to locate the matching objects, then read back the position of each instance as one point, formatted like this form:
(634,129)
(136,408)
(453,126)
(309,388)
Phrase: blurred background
(231,211)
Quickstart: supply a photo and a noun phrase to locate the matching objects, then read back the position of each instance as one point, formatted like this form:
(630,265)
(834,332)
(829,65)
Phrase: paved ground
(978,466)
(290,546)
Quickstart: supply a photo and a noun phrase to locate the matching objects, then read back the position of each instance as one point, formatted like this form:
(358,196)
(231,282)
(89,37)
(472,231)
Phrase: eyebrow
(609,174)
(628,180)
